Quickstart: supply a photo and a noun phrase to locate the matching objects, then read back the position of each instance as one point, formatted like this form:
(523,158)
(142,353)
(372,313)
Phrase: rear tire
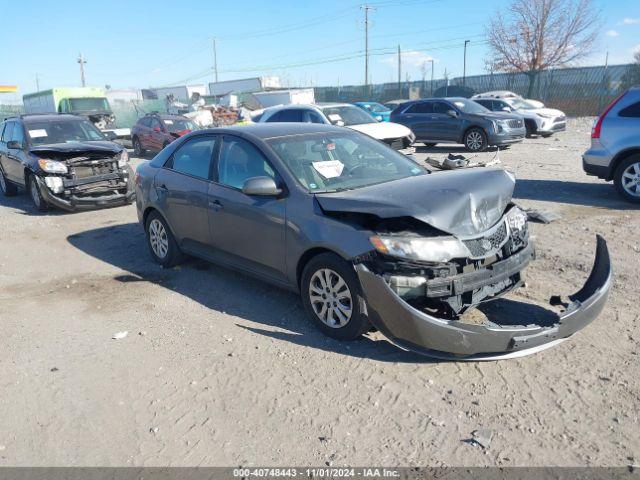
(331,295)
(34,192)
(138,151)
(8,189)
(475,140)
(627,179)
(161,242)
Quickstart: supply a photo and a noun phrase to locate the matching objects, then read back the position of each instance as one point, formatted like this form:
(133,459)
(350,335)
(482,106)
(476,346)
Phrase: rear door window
(194,157)
(441,107)
(425,107)
(292,115)
(632,110)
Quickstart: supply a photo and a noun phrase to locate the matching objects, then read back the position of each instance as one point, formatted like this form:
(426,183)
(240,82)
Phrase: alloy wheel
(158,238)
(474,141)
(330,298)
(631,179)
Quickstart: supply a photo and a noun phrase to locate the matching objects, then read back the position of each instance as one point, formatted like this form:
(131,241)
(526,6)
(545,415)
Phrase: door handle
(215,205)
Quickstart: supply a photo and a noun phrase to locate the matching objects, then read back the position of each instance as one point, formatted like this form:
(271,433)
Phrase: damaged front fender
(414,330)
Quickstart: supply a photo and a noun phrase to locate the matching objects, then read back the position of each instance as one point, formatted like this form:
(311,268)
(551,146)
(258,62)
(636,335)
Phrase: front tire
(332,297)
(8,189)
(34,192)
(161,242)
(627,179)
(475,140)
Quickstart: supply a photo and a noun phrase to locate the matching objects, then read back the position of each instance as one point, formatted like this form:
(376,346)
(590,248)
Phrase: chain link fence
(577,91)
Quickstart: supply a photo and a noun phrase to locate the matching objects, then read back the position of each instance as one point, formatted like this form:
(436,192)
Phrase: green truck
(89,102)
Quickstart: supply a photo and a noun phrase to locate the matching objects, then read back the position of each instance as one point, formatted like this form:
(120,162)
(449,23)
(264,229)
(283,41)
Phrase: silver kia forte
(369,238)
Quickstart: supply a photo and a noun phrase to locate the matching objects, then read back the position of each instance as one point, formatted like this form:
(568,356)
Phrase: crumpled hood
(106,147)
(463,203)
(383,130)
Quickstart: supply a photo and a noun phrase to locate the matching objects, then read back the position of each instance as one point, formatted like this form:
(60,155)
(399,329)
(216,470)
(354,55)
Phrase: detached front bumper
(104,198)
(414,330)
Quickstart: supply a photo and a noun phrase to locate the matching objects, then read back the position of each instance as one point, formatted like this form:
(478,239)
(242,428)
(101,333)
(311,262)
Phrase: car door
(144,132)
(418,117)
(182,188)
(13,167)
(446,127)
(3,146)
(246,231)
(156,136)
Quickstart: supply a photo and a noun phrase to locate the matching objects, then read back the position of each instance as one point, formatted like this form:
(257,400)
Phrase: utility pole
(82,63)
(464,68)
(399,72)
(431,60)
(37,83)
(366,9)
(215,60)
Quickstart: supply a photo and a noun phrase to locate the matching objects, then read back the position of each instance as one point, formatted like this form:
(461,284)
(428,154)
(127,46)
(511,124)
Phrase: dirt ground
(220,369)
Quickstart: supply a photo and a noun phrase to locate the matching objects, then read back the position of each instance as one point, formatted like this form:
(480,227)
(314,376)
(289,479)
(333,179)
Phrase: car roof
(279,129)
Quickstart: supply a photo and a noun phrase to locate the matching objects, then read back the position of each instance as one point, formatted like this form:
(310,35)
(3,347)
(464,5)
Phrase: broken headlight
(517,220)
(429,249)
(52,166)
(124,158)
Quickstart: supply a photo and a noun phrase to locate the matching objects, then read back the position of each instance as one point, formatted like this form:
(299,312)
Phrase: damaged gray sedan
(367,237)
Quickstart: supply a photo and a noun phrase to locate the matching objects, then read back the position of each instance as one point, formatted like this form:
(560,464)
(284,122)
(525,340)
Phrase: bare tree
(534,35)
(632,75)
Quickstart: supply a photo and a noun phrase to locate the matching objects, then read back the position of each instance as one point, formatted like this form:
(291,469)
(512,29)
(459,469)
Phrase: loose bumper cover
(412,329)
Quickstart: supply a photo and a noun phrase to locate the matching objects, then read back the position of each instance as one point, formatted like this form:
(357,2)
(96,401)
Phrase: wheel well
(306,257)
(145,215)
(471,128)
(618,159)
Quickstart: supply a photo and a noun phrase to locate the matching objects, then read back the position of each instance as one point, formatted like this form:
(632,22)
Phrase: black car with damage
(365,235)
(63,161)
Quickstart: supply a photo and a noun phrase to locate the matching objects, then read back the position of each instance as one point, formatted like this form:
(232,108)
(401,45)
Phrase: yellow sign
(8,88)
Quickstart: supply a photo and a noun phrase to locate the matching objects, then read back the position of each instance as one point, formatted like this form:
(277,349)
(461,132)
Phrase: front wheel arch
(306,257)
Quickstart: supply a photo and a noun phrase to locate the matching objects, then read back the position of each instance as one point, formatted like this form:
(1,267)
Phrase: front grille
(489,243)
(92,168)
(515,123)
(561,118)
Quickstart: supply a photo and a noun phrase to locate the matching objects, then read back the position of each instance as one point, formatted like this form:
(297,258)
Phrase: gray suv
(459,120)
(615,145)
(366,236)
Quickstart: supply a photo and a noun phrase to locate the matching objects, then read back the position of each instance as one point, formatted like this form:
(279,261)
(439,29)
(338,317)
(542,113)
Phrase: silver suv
(615,145)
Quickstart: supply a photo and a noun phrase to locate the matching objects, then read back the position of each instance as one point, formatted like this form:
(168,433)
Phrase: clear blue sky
(158,42)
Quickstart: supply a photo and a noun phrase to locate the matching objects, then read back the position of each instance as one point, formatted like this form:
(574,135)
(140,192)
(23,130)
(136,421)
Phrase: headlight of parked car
(517,219)
(499,125)
(124,159)
(430,249)
(52,166)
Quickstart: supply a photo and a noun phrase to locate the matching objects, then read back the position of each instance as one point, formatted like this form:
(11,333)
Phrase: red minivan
(154,131)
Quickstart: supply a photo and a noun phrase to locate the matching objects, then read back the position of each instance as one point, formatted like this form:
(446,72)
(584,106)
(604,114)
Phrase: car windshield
(89,105)
(325,163)
(468,106)
(45,133)
(519,104)
(376,107)
(349,114)
(179,124)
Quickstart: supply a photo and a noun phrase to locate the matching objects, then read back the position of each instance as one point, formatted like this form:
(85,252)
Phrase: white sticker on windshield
(169,122)
(329,169)
(334,117)
(38,133)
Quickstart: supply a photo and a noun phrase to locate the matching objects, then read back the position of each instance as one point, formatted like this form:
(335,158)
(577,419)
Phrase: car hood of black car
(463,203)
(100,146)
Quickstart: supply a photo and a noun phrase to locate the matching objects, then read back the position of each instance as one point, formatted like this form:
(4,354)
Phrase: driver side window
(240,160)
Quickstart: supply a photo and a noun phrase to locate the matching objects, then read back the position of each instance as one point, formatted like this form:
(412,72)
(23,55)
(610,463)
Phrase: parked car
(341,114)
(365,235)
(63,161)
(538,120)
(376,110)
(154,131)
(615,145)
(459,120)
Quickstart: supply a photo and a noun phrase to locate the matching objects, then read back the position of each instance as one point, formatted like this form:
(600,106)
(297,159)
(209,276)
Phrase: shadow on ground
(601,195)
(226,291)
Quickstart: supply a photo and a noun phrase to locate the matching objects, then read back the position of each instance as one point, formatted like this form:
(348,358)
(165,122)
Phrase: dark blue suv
(459,120)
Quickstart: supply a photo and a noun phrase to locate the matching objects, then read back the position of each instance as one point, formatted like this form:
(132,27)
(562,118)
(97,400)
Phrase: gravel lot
(220,369)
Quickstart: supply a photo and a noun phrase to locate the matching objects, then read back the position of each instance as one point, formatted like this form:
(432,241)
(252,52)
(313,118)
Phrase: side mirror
(262,186)
(14,145)
(452,113)
(110,135)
